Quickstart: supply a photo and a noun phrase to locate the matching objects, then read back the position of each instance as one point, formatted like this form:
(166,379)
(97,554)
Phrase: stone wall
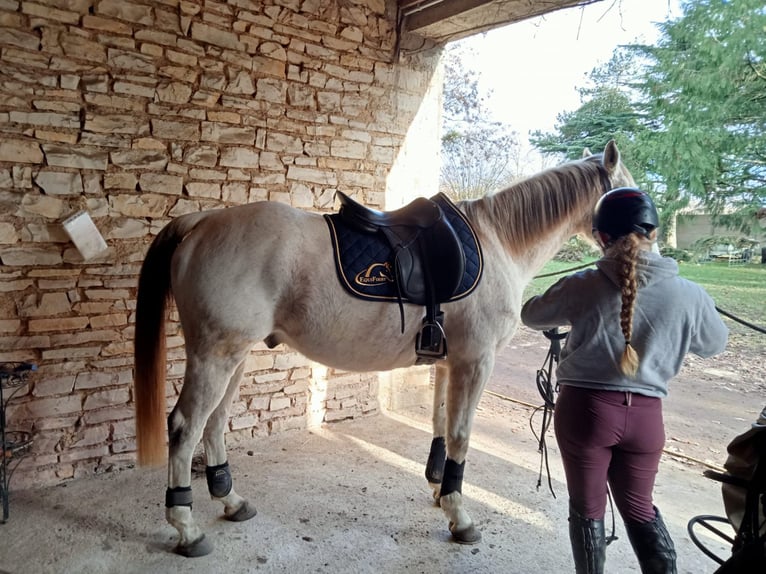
(137,111)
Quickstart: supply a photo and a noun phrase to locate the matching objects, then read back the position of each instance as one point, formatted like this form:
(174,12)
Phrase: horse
(265,272)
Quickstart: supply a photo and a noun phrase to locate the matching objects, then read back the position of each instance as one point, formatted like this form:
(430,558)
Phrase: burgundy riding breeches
(610,435)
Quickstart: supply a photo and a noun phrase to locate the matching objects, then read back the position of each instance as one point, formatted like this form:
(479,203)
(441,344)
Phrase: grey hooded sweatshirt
(672,317)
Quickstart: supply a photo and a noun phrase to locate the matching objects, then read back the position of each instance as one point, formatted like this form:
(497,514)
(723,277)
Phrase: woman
(633,319)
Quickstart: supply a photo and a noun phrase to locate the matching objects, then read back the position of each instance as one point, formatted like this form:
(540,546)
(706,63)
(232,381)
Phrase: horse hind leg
(183,434)
(219,479)
(206,382)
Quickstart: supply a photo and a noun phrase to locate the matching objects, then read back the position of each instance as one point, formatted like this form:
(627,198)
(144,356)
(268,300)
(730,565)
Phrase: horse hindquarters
(210,382)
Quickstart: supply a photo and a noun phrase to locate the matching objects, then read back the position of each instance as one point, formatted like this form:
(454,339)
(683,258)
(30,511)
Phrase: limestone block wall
(137,111)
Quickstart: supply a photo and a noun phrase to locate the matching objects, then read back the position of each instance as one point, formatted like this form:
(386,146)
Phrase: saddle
(429,261)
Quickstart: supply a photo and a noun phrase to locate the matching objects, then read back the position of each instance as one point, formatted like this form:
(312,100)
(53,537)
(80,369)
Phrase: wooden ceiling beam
(444,20)
(422,14)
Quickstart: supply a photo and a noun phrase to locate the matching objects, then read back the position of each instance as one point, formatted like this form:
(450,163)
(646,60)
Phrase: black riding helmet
(624,210)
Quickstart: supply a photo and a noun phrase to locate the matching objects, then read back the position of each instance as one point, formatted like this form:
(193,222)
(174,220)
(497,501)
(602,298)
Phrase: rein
(731,316)
(583,266)
(547,392)
(741,321)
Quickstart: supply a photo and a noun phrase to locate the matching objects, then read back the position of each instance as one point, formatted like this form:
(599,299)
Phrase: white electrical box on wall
(84,234)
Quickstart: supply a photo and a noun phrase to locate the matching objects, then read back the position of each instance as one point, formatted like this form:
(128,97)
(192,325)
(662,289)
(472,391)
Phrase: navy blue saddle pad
(365,262)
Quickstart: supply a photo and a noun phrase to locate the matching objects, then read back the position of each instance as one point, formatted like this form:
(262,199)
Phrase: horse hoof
(469,535)
(244,512)
(200,547)
(436,488)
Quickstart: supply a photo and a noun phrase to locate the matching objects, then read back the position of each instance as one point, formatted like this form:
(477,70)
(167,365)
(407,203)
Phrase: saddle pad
(365,262)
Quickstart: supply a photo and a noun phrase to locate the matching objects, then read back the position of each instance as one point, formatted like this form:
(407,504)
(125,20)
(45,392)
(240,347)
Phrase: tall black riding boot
(653,546)
(588,543)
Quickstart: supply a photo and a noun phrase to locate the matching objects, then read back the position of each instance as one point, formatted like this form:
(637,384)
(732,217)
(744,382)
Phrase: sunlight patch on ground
(722,374)
(479,442)
(470,491)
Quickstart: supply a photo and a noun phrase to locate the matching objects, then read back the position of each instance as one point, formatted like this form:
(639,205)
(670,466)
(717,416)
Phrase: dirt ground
(350,497)
(709,403)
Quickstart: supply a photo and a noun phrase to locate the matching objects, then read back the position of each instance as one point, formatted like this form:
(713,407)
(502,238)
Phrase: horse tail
(154,295)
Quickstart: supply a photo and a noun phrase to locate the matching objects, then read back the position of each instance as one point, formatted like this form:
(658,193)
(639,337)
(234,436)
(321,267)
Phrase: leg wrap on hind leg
(219,481)
(178,496)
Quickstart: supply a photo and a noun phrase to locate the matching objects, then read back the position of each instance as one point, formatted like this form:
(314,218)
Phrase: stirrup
(431,343)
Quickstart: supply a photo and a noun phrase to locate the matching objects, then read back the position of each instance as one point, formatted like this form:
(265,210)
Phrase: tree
(705,92)
(477,153)
(689,113)
(606,113)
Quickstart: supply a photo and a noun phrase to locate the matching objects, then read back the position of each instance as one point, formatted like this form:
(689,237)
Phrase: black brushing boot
(588,543)
(653,546)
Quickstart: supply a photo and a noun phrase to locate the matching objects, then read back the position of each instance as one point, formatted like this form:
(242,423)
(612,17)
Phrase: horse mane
(525,212)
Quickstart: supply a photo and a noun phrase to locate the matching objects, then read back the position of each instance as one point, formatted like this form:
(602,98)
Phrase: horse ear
(586,153)
(611,156)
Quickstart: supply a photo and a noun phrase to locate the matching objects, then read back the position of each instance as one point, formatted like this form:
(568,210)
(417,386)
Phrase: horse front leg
(202,392)
(219,479)
(466,383)
(438,452)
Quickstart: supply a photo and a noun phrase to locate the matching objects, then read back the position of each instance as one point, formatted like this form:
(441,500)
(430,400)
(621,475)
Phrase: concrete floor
(349,497)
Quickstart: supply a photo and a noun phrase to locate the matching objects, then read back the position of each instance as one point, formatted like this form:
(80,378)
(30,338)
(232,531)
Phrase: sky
(533,68)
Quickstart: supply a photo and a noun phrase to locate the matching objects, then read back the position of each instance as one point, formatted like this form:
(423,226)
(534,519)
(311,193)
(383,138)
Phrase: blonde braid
(626,253)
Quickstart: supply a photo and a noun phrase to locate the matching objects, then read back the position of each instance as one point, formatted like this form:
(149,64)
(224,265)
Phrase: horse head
(614,175)
(611,161)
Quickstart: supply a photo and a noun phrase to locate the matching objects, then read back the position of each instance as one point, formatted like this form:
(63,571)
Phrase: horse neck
(533,218)
(535,259)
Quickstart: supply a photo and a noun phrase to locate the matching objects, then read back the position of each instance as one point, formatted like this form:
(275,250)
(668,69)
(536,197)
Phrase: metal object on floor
(13,377)
(745,487)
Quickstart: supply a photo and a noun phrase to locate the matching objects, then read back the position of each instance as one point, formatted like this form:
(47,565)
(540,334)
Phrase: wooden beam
(436,12)
(443,20)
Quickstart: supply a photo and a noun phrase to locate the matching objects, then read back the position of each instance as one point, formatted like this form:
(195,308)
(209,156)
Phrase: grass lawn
(739,290)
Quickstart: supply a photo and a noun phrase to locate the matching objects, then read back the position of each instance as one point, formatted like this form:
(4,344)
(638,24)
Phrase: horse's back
(262,218)
(233,235)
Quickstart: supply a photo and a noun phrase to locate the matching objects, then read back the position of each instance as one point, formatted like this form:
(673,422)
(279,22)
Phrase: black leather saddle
(422,213)
(429,261)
